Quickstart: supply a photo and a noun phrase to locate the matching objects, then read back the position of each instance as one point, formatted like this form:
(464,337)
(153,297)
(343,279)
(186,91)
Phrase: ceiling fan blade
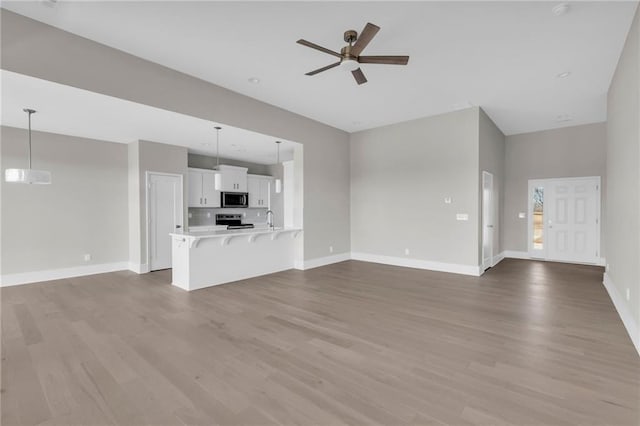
(319,70)
(365,37)
(390,60)
(320,48)
(359,76)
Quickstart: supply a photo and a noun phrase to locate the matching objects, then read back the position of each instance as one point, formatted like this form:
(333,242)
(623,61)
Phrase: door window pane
(538,222)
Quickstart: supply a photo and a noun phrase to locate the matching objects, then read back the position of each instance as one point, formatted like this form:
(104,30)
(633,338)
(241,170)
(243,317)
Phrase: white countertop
(231,232)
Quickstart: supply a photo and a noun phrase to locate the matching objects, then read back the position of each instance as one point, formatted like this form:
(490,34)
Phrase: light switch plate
(447,200)
(462,216)
(522,215)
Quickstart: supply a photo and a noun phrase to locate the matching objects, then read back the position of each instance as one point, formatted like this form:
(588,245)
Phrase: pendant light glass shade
(278,180)
(28,176)
(41,177)
(217,182)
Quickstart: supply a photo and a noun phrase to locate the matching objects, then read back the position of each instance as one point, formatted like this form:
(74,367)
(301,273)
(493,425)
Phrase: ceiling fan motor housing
(350,36)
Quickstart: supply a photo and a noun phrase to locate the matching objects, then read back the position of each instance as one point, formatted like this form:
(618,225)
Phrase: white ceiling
(503,56)
(70,111)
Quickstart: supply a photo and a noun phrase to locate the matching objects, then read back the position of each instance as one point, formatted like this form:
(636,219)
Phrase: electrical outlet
(330,249)
(258,214)
(406,252)
(87,257)
(462,216)
(208,214)
(607,268)
(628,294)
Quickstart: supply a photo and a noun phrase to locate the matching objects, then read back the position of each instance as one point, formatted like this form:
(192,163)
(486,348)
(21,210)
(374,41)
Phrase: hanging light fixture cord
(217,145)
(278,153)
(29,111)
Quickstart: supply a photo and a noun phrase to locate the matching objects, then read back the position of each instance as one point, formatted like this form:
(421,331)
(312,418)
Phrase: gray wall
(84,210)
(400,175)
(623,172)
(492,158)
(65,58)
(207,162)
(568,152)
(152,157)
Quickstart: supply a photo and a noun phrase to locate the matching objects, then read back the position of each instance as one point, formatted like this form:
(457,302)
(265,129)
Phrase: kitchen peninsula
(207,258)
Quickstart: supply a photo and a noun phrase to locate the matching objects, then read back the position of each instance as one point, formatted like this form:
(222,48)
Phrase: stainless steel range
(233,221)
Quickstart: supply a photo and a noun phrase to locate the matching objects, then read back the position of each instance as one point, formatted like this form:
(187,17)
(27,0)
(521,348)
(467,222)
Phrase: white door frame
(147,183)
(488,222)
(542,255)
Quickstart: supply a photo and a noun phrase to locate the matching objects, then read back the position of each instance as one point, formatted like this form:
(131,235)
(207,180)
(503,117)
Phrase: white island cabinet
(204,259)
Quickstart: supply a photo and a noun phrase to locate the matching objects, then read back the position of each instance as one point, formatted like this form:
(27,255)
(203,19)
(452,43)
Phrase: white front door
(564,220)
(488,220)
(165,216)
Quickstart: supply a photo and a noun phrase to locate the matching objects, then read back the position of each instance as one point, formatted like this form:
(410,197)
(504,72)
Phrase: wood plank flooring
(529,343)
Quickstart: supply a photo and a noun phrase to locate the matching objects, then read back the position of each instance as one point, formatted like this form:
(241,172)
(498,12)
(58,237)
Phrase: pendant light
(278,181)
(29,175)
(218,177)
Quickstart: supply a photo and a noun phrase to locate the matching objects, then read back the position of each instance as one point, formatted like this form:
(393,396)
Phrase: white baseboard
(515,254)
(322,261)
(623,311)
(453,268)
(57,274)
(497,259)
(138,268)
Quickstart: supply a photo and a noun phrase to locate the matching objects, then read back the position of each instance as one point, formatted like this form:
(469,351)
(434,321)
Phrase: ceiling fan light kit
(349,55)
(28,176)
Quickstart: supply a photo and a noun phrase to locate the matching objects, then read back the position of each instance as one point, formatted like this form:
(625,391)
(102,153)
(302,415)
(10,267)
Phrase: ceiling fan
(350,58)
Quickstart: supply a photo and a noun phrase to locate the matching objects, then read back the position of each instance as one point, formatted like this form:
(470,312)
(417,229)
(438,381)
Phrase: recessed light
(254,80)
(564,74)
(560,9)
(563,117)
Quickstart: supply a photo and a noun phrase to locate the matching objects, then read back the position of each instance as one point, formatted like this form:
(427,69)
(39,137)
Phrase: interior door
(165,216)
(488,220)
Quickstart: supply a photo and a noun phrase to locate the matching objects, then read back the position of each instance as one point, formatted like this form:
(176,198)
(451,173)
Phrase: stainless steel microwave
(234,199)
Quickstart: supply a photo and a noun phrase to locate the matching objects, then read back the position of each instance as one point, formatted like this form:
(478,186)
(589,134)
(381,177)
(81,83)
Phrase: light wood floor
(357,343)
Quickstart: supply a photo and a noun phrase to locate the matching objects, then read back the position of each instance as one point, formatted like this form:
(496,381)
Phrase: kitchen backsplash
(206,217)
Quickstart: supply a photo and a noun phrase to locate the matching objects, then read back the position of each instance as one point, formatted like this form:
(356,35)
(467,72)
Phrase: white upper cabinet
(234,179)
(201,188)
(209,193)
(258,190)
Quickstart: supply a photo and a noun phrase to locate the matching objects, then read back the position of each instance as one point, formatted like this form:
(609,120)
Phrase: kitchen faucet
(270,223)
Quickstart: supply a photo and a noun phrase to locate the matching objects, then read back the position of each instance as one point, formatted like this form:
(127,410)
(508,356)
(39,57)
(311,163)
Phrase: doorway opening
(488,220)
